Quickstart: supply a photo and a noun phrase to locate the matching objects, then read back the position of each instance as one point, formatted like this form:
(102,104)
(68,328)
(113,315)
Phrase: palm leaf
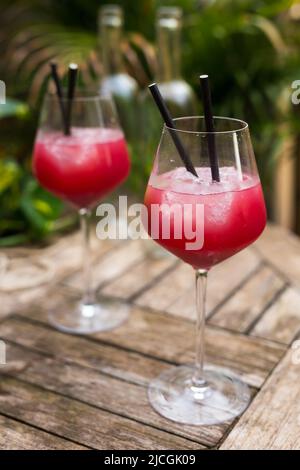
(33,42)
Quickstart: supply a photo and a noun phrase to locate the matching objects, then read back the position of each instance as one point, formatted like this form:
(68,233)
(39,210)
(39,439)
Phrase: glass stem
(88,293)
(201,282)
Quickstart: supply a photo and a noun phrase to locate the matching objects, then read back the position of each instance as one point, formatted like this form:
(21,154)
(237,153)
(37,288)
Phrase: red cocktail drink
(81,168)
(234,213)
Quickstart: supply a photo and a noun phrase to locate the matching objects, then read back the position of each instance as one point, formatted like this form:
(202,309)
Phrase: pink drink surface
(234,213)
(81,168)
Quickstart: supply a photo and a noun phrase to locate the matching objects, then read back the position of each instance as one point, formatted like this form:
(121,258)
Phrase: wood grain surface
(60,391)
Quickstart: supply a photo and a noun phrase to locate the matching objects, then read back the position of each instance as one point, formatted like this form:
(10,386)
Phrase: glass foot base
(220,399)
(76,317)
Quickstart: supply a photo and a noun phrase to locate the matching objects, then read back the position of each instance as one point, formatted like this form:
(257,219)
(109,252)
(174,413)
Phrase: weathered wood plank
(67,385)
(166,290)
(18,436)
(245,306)
(130,283)
(7,303)
(169,338)
(272,421)
(119,405)
(115,263)
(64,256)
(132,367)
(67,251)
(118,362)
(252,361)
(175,292)
(281,249)
(281,322)
(128,399)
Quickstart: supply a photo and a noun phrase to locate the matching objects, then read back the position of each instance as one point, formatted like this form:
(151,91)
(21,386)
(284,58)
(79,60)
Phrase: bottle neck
(169,50)
(111,36)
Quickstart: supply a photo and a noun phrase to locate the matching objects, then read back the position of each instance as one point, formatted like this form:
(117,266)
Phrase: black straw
(170,124)
(72,76)
(59,93)
(209,123)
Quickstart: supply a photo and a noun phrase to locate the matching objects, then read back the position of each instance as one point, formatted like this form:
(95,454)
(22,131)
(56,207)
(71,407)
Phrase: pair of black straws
(65,103)
(209,123)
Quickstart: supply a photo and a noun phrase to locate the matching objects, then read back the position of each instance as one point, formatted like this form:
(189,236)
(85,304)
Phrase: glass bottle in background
(177,93)
(115,79)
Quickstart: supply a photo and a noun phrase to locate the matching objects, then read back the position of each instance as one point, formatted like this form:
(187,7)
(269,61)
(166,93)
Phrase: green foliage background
(248,47)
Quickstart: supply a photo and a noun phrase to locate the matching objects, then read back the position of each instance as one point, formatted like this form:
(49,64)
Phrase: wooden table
(60,391)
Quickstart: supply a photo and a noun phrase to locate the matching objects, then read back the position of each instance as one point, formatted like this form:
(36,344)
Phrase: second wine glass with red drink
(82,166)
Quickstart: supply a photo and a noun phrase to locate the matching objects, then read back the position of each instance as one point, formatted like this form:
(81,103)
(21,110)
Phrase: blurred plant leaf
(38,36)
(10,175)
(39,207)
(27,211)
